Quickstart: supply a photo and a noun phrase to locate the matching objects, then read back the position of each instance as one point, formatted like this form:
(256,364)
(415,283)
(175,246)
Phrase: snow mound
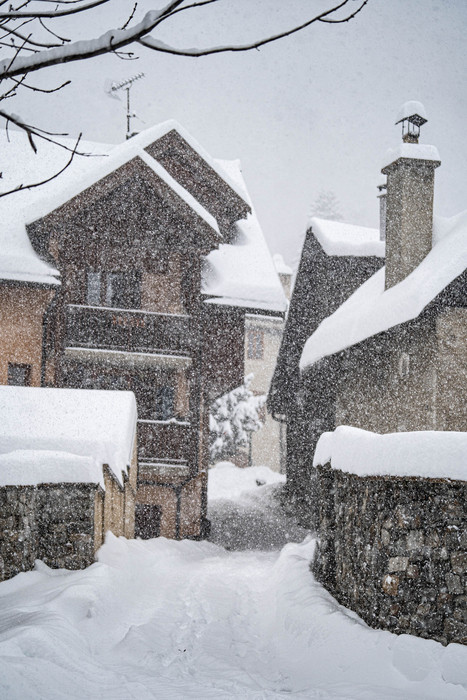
(180,620)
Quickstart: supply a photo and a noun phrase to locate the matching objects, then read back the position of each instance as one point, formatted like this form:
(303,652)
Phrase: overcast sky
(312,112)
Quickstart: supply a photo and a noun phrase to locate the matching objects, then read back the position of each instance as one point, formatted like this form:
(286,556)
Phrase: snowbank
(179,620)
(429,454)
(64,435)
(337,238)
(372,309)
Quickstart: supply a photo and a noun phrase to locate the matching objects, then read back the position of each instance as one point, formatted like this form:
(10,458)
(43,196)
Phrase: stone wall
(394,550)
(52,522)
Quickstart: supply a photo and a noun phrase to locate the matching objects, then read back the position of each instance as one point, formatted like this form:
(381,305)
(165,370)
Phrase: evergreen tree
(232,419)
(326,206)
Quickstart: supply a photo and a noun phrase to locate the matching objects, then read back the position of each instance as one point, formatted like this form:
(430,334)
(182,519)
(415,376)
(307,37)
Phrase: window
(93,292)
(19,375)
(404,365)
(164,409)
(255,348)
(121,290)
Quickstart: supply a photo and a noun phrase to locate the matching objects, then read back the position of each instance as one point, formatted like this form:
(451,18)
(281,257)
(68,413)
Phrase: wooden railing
(131,330)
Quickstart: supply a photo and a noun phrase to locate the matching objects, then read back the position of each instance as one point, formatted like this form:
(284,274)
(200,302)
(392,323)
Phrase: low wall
(394,550)
(52,522)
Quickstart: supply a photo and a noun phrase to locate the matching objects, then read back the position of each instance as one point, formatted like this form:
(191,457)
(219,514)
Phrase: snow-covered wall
(393,543)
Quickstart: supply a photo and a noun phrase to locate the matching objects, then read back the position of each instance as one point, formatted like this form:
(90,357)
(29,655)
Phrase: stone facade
(394,550)
(47,522)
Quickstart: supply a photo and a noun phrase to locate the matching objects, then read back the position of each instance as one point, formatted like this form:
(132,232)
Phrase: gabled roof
(317,290)
(372,309)
(65,435)
(240,273)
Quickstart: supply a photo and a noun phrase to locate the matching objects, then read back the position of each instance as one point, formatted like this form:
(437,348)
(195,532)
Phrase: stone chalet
(392,481)
(68,469)
(335,259)
(142,264)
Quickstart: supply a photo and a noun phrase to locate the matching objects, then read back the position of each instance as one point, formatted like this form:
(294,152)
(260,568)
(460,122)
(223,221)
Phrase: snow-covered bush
(232,419)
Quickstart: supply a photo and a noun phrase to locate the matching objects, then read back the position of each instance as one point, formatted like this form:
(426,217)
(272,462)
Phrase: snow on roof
(416,151)
(410,108)
(281,266)
(18,260)
(338,238)
(242,273)
(372,309)
(429,454)
(68,434)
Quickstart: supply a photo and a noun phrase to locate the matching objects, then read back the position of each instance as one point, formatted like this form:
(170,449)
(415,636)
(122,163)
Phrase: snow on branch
(156,45)
(232,419)
(115,39)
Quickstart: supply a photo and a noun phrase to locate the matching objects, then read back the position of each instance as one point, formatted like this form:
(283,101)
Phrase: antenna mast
(126,85)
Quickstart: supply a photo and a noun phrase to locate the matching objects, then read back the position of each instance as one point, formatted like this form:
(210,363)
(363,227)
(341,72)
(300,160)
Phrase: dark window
(255,347)
(147,521)
(19,375)
(121,290)
(164,408)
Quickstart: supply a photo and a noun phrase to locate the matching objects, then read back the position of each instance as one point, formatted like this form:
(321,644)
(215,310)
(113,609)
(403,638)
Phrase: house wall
(22,311)
(451,368)
(394,550)
(388,383)
(265,448)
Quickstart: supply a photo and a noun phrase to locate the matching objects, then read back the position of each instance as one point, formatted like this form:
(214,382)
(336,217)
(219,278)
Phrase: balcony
(165,442)
(101,328)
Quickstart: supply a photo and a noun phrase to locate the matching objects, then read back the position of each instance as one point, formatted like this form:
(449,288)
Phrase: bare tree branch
(156,45)
(80,50)
(31,52)
(18,188)
(13,14)
(116,39)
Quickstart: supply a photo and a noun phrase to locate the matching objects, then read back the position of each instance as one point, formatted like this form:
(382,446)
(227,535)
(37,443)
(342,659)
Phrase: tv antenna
(112,88)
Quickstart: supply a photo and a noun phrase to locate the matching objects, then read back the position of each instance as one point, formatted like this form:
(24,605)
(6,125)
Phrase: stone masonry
(394,550)
(51,522)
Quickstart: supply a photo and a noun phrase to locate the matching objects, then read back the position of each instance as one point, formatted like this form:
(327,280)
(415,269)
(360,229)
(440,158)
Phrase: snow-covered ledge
(430,454)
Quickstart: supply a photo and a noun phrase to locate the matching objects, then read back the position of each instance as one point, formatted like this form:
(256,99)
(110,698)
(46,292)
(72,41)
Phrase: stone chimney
(410,172)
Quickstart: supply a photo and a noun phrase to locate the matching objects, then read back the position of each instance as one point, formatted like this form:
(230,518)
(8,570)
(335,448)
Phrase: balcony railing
(166,441)
(131,330)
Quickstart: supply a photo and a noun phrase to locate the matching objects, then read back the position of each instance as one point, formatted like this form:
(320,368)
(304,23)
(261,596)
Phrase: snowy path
(163,619)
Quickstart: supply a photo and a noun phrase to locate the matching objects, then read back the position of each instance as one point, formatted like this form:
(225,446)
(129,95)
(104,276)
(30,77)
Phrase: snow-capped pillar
(410,171)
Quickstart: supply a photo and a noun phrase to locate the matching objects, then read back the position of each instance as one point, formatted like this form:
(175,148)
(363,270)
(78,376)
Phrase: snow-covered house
(392,482)
(336,258)
(68,469)
(160,257)
(400,341)
(263,335)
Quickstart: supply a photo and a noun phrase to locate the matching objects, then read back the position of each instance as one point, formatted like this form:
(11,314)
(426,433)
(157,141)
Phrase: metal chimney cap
(413,112)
